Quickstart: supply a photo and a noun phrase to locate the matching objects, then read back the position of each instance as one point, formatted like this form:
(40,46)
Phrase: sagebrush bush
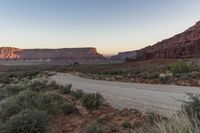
(53,85)
(126,125)
(91,101)
(13,89)
(192,106)
(37,85)
(10,90)
(5,79)
(27,121)
(28,99)
(50,102)
(8,108)
(181,67)
(179,123)
(145,75)
(77,93)
(68,108)
(65,89)
(95,128)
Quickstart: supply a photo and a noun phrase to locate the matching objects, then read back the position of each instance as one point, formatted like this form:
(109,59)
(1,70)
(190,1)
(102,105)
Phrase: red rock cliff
(52,54)
(183,45)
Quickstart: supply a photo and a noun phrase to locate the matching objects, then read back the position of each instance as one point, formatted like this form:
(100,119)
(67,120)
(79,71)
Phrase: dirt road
(163,99)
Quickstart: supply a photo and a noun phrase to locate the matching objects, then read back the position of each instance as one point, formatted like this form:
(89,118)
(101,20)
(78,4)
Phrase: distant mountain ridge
(50,54)
(124,55)
(183,45)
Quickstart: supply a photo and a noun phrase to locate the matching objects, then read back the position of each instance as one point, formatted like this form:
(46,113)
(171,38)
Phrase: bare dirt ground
(162,99)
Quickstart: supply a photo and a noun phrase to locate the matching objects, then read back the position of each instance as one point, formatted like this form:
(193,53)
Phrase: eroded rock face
(51,54)
(124,55)
(183,45)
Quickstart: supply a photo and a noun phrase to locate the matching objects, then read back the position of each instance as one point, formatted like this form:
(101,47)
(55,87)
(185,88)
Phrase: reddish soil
(110,117)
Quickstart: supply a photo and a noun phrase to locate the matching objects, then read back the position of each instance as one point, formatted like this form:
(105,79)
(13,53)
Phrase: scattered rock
(82,110)
(118,77)
(169,75)
(198,82)
(195,74)
(162,76)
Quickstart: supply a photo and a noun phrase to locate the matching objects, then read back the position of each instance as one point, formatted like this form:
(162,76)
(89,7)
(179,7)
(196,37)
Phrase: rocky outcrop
(124,55)
(50,54)
(183,45)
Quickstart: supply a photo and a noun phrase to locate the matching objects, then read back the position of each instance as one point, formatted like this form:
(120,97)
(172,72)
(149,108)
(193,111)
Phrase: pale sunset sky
(109,25)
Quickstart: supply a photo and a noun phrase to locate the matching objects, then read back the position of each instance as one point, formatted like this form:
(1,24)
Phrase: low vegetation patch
(77,93)
(65,89)
(68,108)
(50,102)
(126,124)
(181,67)
(26,104)
(27,121)
(95,128)
(192,107)
(92,101)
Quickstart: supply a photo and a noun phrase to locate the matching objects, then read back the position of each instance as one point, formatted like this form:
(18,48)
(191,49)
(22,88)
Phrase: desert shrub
(53,85)
(114,72)
(10,90)
(145,75)
(8,107)
(153,118)
(28,121)
(91,101)
(68,108)
(13,89)
(28,74)
(181,67)
(37,85)
(192,106)
(50,102)
(126,125)
(77,93)
(95,128)
(177,124)
(65,89)
(5,79)
(28,99)
(194,74)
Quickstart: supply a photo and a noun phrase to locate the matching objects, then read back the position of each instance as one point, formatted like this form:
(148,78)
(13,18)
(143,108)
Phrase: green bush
(68,108)
(145,75)
(9,107)
(53,85)
(179,123)
(50,102)
(65,89)
(37,85)
(13,89)
(126,125)
(28,121)
(10,90)
(91,101)
(28,99)
(77,93)
(181,67)
(5,79)
(95,128)
(192,106)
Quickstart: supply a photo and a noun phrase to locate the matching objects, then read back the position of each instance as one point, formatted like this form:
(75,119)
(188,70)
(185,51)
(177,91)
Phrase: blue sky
(109,25)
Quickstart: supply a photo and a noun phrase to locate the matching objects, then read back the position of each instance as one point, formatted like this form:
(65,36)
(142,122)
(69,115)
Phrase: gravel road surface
(162,99)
